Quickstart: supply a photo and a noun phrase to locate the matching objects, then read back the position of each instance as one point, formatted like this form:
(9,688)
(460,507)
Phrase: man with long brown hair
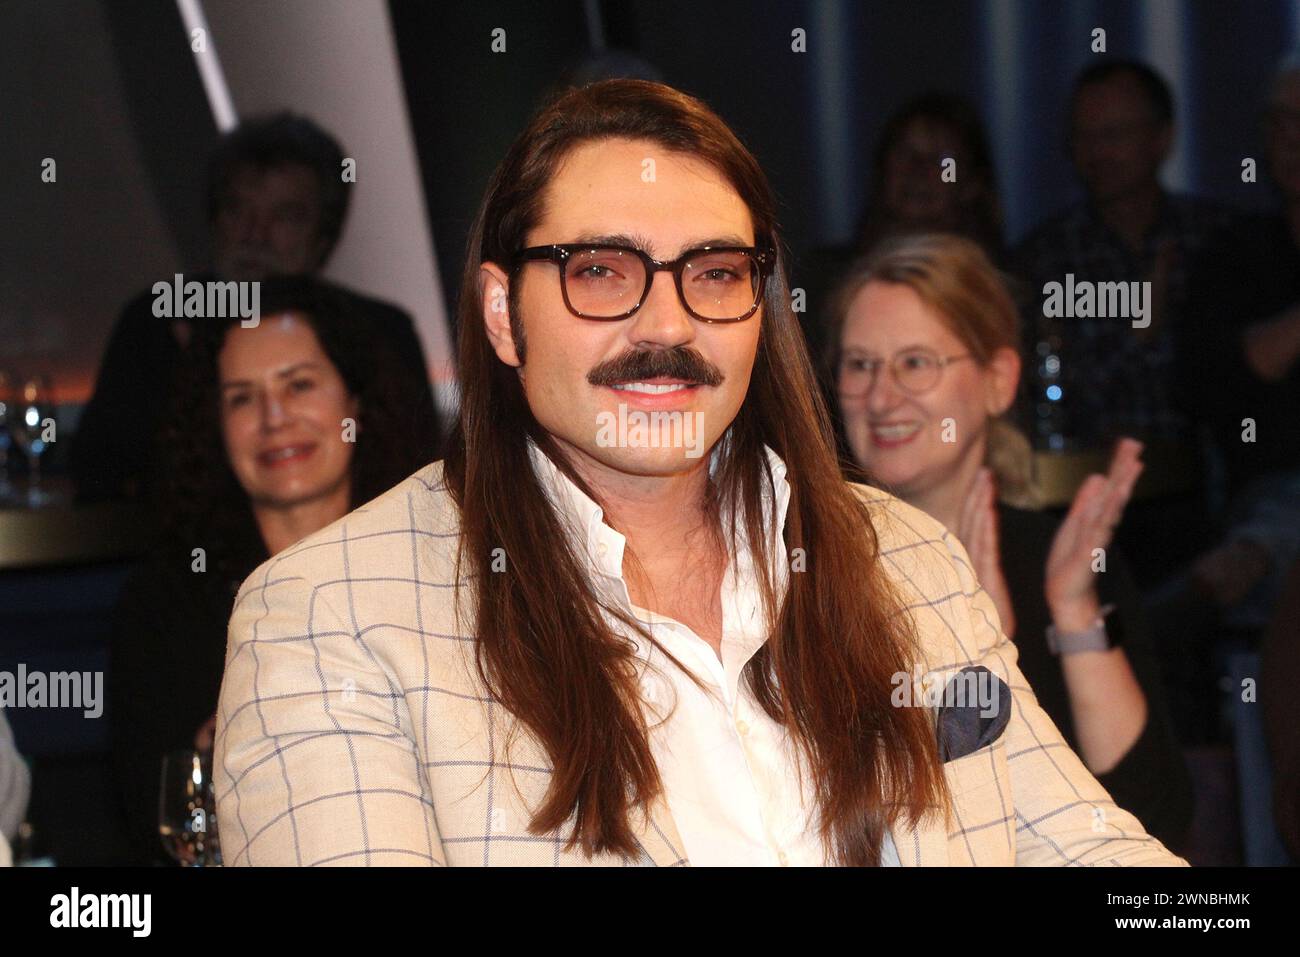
(637,615)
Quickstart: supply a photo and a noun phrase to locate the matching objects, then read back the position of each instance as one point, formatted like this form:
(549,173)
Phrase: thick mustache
(637,366)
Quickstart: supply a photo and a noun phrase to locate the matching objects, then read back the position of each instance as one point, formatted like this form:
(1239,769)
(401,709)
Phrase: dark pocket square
(965,724)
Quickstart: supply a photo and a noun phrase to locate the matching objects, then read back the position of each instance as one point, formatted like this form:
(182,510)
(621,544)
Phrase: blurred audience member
(1279,673)
(276,432)
(276,204)
(932,172)
(1241,379)
(1108,377)
(926,365)
(15,789)
(912,190)
(1244,319)
(1231,591)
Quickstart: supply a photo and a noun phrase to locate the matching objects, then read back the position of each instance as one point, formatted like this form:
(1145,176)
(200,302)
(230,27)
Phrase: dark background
(115,84)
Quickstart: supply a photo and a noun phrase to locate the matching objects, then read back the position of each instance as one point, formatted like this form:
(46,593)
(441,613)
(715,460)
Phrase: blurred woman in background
(933,172)
(279,430)
(926,364)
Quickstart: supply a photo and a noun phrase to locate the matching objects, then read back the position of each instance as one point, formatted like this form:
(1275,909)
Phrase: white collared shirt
(729,770)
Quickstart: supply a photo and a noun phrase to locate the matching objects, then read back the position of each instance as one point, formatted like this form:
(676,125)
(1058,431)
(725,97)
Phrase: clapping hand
(1071,583)
(978,531)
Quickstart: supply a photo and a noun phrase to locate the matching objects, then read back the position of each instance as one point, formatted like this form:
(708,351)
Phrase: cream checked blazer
(352,727)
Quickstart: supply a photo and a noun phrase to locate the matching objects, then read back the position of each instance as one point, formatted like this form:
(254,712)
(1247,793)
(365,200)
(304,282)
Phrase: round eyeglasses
(915,371)
(714,283)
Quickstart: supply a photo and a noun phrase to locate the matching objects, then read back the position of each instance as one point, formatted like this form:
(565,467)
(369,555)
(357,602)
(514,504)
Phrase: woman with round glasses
(926,365)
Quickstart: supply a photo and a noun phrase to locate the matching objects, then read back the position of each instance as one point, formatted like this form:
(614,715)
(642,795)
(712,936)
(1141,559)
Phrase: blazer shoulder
(900,526)
(933,578)
(418,511)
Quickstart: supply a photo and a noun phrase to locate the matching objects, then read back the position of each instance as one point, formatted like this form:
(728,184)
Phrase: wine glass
(32,415)
(187,809)
(6,412)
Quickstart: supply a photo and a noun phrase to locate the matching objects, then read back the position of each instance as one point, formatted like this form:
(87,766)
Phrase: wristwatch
(1100,636)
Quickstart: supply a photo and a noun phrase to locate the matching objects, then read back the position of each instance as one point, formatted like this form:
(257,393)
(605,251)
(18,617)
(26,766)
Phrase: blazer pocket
(964,724)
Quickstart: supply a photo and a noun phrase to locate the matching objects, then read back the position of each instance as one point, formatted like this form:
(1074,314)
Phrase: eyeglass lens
(605,283)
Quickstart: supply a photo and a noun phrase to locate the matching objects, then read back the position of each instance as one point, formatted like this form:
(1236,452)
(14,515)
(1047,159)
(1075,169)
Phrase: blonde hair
(955,277)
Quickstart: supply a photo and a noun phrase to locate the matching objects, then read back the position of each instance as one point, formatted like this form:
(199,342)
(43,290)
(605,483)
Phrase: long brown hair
(544,648)
(953,275)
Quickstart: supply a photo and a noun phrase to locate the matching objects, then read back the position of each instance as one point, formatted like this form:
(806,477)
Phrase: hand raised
(978,530)
(1070,583)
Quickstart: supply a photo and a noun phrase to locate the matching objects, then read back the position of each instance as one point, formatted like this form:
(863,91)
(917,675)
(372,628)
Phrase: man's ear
(494,292)
(1003,377)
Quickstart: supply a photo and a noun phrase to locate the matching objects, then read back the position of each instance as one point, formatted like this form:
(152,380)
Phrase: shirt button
(785,861)
(602,549)
(743,727)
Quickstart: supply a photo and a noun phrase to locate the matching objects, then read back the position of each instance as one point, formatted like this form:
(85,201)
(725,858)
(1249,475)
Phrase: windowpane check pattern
(352,727)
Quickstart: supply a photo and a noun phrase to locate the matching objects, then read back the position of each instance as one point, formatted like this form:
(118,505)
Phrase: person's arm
(1151,779)
(1063,815)
(15,783)
(315,758)
(1107,704)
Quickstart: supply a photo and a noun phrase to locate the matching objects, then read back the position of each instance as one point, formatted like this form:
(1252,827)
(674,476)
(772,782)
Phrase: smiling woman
(278,430)
(926,337)
(287,419)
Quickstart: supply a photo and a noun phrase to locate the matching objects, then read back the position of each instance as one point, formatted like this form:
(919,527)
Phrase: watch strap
(1093,638)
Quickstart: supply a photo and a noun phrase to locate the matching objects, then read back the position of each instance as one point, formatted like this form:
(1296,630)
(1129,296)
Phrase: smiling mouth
(894,433)
(654,388)
(286,454)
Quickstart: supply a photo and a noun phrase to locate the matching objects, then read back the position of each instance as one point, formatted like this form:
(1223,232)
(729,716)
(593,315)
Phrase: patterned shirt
(1092,379)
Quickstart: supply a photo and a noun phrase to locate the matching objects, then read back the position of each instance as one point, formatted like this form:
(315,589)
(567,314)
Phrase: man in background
(276,204)
(1116,378)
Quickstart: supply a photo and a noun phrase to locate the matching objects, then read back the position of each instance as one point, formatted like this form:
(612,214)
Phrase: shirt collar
(604,546)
